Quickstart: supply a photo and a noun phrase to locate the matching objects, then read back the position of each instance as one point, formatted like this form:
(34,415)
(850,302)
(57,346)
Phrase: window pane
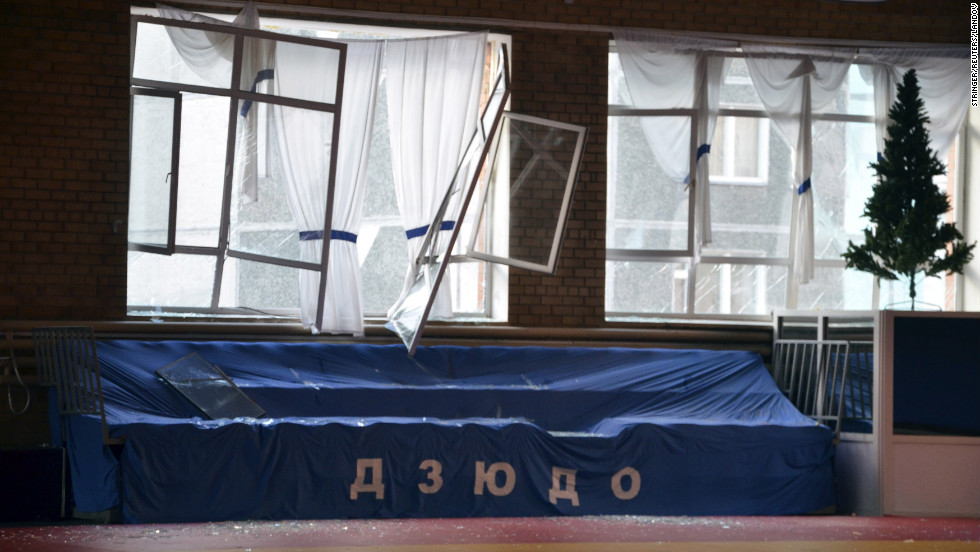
(381,243)
(302,71)
(536,197)
(156,58)
(856,95)
(619,94)
(739,289)
(150,177)
(169,281)
(203,145)
(379,194)
(842,182)
(646,209)
(835,288)
(259,285)
(948,183)
(930,294)
(737,90)
(265,224)
(384,266)
(646,287)
(533,174)
(740,151)
(469,293)
(748,150)
(755,220)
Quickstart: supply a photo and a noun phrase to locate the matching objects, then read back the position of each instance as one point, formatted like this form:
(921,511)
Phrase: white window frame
(696,256)
(726,123)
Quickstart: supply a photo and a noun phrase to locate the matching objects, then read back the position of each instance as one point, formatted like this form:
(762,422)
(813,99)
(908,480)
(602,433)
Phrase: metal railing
(67,359)
(827,380)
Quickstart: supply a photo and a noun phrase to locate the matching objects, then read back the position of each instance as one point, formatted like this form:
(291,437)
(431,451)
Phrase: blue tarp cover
(352,431)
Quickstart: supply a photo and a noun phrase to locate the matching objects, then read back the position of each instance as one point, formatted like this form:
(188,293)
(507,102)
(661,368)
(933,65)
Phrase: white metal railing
(827,380)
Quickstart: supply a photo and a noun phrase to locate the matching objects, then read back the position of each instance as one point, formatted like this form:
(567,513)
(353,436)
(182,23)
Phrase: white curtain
(711,70)
(793,84)
(944,82)
(669,73)
(433,88)
(304,139)
(210,55)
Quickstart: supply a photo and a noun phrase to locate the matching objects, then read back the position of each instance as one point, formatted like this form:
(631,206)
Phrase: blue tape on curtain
(421,230)
(334,235)
(703,149)
(265,74)
(803,187)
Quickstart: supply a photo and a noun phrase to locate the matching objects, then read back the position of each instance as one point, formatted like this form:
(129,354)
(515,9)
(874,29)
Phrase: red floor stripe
(356,533)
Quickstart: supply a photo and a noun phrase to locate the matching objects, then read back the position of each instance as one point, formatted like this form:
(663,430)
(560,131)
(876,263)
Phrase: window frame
(169,247)
(484,204)
(726,120)
(234,93)
(491,301)
(689,250)
(696,255)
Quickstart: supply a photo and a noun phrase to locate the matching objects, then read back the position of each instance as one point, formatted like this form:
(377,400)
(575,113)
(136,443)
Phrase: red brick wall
(64,117)
(64,161)
(562,76)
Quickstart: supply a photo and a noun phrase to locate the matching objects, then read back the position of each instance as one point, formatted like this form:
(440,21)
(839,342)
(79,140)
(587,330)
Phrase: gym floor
(574,534)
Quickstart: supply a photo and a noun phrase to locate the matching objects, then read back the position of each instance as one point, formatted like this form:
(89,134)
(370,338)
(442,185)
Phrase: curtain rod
(552,26)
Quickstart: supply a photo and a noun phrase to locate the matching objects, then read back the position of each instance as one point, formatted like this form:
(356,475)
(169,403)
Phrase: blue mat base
(359,431)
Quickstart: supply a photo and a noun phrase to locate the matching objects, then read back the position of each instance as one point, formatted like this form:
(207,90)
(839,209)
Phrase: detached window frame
(563,177)
(531,159)
(236,95)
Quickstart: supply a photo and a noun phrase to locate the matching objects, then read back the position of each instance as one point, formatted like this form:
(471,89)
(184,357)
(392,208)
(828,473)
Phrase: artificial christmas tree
(907,235)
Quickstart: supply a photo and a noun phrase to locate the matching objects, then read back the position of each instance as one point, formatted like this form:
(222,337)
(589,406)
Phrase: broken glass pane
(209,389)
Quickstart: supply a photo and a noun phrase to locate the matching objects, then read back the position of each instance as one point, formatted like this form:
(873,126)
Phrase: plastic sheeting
(365,431)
